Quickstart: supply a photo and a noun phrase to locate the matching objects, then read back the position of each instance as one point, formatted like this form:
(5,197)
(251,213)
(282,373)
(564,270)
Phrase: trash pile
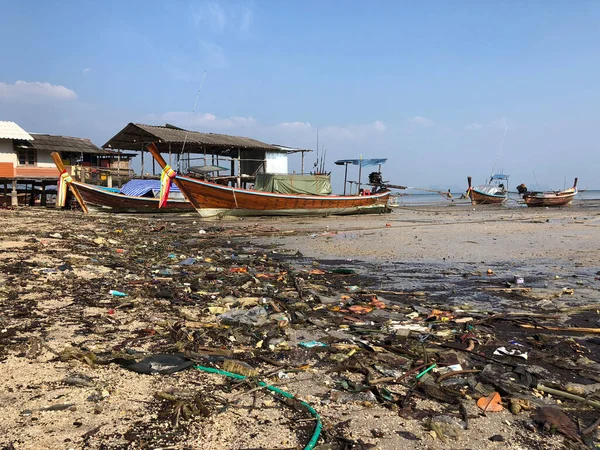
(223,328)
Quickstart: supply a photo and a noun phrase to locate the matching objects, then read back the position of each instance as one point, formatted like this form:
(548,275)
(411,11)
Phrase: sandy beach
(472,278)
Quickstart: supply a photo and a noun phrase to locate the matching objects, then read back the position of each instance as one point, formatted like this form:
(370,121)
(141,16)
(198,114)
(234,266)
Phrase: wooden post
(142,174)
(302,173)
(345,177)
(119,168)
(43,200)
(14,200)
(359,175)
(170,159)
(5,192)
(239,169)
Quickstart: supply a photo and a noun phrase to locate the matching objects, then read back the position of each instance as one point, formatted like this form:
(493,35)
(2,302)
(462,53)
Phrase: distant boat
(548,198)
(212,199)
(493,193)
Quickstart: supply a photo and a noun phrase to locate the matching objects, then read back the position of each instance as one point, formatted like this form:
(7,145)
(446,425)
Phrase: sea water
(587,197)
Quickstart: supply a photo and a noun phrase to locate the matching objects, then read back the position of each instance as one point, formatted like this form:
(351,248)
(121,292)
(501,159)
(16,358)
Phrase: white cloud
(353,131)
(219,17)
(422,121)
(499,124)
(292,133)
(294,125)
(34,92)
(213,55)
(473,126)
(210,14)
(246,20)
(379,125)
(87,70)
(202,121)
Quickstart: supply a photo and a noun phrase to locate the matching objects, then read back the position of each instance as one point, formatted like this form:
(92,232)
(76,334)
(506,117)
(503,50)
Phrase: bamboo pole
(162,163)
(61,168)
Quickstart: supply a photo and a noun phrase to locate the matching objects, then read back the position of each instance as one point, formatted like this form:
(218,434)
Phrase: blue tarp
(363,162)
(144,188)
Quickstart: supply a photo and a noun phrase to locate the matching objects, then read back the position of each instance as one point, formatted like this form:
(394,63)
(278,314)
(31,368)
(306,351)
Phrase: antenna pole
(499,150)
(192,117)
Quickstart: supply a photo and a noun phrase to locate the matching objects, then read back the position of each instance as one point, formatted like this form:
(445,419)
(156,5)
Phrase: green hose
(317,432)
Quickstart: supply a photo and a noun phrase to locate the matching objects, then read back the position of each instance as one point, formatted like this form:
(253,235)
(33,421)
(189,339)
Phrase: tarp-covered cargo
(293,184)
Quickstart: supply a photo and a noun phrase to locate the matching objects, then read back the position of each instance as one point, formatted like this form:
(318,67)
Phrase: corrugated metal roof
(51,143)
(10,130)
(136,135)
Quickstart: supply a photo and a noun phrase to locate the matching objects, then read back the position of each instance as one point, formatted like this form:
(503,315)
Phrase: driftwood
(572,329)
(541,387)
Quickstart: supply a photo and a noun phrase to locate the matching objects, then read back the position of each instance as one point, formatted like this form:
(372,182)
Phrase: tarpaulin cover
(293,184)
(144,188)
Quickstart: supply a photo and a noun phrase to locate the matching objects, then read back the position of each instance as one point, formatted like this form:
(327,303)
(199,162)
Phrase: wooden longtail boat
(493,193)
(211,199)
(550,198)
(89,196)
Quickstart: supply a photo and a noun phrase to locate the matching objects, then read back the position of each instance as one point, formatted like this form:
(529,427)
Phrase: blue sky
(431,86)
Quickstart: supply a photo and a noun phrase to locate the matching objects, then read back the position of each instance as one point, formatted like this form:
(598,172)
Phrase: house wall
(7,153)
(44,159)
(276,162)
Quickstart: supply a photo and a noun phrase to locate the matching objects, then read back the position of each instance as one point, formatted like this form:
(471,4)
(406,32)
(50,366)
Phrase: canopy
(207,169)
(499,176)
(361,162)
(293,184)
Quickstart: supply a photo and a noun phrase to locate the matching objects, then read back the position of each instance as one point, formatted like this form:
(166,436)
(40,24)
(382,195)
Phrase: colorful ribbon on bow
(63,186)
(166,178)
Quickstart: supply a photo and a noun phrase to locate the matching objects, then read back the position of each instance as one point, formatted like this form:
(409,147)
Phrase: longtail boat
(100,199)
(548,198)
(493,193)
(212,199)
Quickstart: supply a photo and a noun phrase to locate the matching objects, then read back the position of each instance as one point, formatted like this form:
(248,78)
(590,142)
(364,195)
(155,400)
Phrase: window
(26,157)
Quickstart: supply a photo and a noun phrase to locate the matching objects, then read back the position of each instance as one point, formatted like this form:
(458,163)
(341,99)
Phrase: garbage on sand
(332,337)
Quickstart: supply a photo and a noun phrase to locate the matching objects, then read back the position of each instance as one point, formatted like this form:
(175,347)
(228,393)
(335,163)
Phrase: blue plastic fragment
(311,344)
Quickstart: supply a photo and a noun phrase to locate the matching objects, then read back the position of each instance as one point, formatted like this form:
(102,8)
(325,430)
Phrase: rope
(316,433)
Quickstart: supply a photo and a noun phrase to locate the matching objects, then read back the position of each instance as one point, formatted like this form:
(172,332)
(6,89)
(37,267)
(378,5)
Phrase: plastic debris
(311,344)
(117,293)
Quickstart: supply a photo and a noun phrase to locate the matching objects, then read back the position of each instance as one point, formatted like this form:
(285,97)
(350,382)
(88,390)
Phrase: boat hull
(549,199)
(481,198)
(102,200)
(217,200)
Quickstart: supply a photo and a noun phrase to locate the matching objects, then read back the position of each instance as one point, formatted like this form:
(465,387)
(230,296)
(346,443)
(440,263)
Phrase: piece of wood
(571,329)
(61,168)
(541,387)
